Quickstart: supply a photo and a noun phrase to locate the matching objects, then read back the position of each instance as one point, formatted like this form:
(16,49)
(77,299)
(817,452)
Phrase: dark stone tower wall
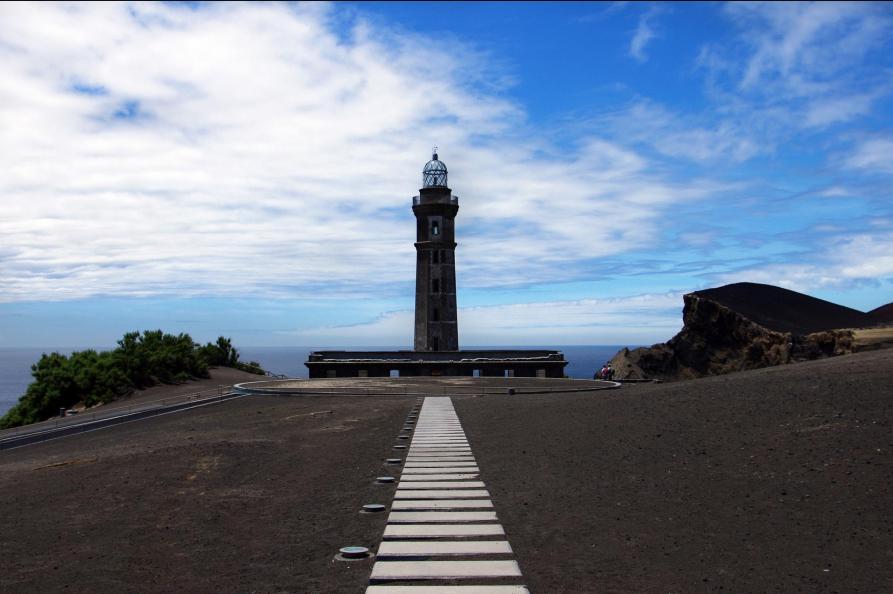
(436,327)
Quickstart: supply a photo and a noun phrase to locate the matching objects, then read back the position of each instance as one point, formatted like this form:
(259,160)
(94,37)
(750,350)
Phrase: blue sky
(247,169)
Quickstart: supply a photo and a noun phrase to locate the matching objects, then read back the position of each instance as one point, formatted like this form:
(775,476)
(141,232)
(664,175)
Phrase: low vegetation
(141,360)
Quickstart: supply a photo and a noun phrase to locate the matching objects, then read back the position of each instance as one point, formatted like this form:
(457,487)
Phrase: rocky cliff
(717,339)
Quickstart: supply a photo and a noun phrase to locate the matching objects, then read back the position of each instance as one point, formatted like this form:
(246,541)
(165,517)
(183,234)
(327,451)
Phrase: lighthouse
(436,343)
(435,208)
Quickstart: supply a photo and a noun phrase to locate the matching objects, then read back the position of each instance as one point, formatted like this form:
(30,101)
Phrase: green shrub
(141,360)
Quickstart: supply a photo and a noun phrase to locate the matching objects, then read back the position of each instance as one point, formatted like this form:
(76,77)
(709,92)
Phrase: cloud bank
(270,152)
(636,319)
(157,149)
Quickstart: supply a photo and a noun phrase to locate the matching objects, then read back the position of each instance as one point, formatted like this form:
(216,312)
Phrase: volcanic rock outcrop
(883,314)
(746,326)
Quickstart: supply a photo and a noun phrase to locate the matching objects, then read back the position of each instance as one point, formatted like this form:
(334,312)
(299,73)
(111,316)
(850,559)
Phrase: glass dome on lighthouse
(434,175)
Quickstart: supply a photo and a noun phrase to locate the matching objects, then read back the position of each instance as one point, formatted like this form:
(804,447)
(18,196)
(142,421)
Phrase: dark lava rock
(745,326)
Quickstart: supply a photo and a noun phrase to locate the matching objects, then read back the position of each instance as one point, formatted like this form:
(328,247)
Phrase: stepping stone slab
(448,454)
(442,469)
(439,459)
(440,438)
(420,435)
(442,530)
(439,477)
(432,570)
(424,548)
(438,464)
(440,493)
(431,423)
(466,455)
(429,436)
(447,590)
(441,504)
(442,462)
(426,517)
(441,485)
(439,454)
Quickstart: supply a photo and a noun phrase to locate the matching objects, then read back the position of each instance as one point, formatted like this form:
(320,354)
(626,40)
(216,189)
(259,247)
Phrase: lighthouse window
(435,228)
(435,285)
(435,256)
(435,315)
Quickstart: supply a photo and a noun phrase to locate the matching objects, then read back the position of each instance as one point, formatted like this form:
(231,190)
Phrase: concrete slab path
(441,512)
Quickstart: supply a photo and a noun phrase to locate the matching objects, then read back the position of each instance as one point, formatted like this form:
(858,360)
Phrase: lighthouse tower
(435,208)
(436,346)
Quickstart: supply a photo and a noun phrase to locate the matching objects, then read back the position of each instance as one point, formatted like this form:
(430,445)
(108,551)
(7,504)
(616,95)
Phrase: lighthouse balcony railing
(416,200)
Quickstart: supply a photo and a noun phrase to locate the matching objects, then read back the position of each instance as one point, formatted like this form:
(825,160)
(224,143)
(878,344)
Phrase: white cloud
(823,112)
(793,67)
(847,261)
(835,192)
(874,155)
(637,319)
(643,35)
(683,136)
(802,45)
(259,149)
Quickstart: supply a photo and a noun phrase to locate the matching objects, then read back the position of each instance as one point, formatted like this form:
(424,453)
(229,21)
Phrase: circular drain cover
(353,552)
(385,479)
(372,507)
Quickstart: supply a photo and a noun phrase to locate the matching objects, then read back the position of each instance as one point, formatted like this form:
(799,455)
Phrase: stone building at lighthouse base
(507,363)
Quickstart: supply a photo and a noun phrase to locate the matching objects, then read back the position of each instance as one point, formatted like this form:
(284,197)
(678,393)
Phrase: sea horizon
(15,363)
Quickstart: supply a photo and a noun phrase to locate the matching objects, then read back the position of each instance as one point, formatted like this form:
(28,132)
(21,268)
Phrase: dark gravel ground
(771,480)
(775,480)
(254,495)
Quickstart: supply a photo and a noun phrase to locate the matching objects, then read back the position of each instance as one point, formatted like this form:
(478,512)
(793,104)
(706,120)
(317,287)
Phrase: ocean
(15,364)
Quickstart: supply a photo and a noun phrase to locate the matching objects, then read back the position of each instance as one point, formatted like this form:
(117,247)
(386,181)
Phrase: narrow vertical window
(435,315)
(435,285)
(435,257)
(435,228)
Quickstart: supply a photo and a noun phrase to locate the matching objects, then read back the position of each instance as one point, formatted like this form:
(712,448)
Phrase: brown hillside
(882,314)
(783,310)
